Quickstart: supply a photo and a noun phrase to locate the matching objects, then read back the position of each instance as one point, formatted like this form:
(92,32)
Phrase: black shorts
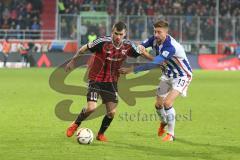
(107,91)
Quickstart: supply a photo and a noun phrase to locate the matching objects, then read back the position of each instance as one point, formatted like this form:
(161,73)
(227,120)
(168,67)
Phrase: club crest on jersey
(165,54)
(124,52)
(108,52)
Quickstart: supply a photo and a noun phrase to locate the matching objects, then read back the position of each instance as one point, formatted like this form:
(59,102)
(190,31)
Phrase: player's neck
(117,46)
(162,41)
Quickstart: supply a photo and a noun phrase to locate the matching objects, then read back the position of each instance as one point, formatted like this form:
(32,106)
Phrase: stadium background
(208,29)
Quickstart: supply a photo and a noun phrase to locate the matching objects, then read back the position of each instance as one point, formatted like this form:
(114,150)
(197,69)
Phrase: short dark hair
(119,26)
(161,24)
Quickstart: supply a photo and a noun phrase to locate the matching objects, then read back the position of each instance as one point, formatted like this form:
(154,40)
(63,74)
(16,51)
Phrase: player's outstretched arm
(154,64)
(71,64)
(145,53)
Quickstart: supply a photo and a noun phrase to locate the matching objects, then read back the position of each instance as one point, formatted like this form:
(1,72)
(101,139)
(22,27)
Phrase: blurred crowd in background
(153,7)
(190,20)
(20,15)
(190,10)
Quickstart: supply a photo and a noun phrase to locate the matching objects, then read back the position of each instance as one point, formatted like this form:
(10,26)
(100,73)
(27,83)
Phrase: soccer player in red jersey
(109,54)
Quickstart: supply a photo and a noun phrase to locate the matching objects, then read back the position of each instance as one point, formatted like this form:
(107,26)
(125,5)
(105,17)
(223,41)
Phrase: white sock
(171,120)
(162,114)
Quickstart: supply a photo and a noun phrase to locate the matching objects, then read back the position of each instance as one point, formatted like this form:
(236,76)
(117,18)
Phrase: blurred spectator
(207,27)
(23,49)
(61,7)
(237,50)
(5,25)
(204,49)
(102,29)
(91,37)
(238,29)
(225,29)
(64,29)
(228,50)
(6,51)
(73,34)
(35,30)
(190,29)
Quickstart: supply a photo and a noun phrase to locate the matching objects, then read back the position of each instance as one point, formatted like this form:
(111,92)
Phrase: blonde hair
(161,24)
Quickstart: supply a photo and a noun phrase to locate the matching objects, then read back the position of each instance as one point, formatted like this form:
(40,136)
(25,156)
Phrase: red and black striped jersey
(107,58)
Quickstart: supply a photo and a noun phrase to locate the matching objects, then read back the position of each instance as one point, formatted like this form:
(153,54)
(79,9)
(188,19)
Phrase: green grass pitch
(207,126)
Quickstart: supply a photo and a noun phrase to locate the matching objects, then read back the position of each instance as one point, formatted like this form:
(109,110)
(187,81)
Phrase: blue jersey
(175,62)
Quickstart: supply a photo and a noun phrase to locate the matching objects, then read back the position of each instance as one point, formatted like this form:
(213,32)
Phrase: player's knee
(159,104)
(111,114)
(167,104)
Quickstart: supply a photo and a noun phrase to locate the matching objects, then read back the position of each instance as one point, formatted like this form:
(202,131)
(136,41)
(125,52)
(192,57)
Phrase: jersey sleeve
(154,64)
(168,52)
(148,42)
(96,45)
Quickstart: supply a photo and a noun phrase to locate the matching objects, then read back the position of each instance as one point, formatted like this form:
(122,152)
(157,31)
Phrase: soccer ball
(84,136)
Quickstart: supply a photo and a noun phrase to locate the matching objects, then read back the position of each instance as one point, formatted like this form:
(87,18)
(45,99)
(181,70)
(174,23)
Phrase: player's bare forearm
(80,51)
(147,55)
(71,64)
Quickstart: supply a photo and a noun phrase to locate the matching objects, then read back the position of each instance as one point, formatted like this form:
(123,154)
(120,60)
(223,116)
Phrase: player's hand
(141,48)
(125,70)
(70,66)
(144,52)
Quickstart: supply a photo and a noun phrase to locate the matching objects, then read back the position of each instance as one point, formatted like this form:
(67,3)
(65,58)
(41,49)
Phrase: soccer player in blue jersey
(176,75)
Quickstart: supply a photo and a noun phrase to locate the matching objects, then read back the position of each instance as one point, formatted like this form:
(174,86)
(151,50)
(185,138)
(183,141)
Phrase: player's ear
(112,33)
(125,33)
